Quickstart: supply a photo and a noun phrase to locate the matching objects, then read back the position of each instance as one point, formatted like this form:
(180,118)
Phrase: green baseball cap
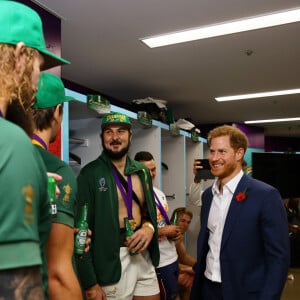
(115,118)
(51,91)
(19,23)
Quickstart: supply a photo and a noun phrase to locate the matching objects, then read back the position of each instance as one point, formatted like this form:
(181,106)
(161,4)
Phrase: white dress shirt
(216,220)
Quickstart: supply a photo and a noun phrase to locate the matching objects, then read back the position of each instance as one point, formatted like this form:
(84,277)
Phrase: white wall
(173,150)
(147,139)
(193,151)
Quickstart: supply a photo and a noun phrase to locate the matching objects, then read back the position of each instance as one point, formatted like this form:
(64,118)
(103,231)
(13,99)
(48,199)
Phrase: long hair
(19,95)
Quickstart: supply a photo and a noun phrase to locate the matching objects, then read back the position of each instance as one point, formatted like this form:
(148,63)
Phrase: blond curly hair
(10,89)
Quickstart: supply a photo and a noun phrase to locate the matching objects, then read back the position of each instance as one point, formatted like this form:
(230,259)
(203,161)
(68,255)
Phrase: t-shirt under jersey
(167,249)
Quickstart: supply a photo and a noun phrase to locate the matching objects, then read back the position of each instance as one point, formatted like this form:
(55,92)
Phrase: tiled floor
(292,287)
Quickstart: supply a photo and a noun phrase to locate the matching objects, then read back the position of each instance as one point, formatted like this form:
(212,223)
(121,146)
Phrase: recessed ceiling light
(258,22)
(272,120)
(258,95)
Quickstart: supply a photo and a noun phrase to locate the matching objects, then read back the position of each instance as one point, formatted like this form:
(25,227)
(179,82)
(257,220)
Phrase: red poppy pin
(241,196)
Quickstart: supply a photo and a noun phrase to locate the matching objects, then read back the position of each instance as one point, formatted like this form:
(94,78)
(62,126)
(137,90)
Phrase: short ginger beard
(113,155)
(229,169)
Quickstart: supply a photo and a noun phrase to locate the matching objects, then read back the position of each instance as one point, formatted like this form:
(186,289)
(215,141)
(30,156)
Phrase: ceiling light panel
(258,22)
(258,95)
(273,120)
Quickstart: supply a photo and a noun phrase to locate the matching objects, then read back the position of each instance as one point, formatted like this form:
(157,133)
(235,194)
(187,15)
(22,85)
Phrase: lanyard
(36,140)
(161,209)
(127,197)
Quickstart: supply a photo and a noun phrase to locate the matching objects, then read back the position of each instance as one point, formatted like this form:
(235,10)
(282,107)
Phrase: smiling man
(243,244)
(116,187)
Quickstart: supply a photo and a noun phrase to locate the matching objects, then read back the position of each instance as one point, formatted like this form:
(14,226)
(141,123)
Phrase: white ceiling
(101,39)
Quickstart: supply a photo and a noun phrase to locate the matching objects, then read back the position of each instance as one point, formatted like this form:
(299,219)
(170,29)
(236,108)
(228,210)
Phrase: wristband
(148,224)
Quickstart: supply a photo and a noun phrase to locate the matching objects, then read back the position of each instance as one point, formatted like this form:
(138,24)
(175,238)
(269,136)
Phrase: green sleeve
(84,263)
(67,199)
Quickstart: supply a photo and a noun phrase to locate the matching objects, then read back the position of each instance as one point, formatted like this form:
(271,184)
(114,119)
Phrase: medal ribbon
(36,140)
(1,116)
(127,197)
(161,209)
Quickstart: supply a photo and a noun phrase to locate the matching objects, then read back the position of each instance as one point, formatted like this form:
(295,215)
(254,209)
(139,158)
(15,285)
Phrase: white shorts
(138,277)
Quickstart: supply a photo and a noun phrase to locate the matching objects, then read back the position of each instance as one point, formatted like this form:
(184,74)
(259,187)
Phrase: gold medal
(132,224)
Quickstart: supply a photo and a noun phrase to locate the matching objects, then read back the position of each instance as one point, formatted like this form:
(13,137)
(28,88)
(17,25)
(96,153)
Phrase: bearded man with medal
(117,187)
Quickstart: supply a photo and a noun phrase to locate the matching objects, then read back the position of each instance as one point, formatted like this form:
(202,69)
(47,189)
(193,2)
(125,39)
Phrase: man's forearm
(64,284)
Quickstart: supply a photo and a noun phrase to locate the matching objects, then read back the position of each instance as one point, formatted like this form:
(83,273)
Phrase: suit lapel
(234,211)
(206,207)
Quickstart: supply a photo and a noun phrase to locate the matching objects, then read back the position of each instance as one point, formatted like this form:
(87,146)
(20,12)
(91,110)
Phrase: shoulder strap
(125,185)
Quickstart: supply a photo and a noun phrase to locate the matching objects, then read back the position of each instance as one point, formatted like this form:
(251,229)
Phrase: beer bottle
(174,219)
(52,195)
(81,236)
(128,232)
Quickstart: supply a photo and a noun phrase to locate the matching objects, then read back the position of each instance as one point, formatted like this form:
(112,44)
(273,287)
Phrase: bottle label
(53,209)
(82,235)
(80,241)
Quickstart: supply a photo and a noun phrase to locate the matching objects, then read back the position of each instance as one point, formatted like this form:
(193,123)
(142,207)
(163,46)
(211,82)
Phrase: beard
(115,155)
(226,171)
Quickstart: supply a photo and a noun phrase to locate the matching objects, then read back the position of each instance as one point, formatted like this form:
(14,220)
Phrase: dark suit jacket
(254,253)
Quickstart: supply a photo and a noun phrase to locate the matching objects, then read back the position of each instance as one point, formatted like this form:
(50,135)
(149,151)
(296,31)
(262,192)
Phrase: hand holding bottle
(140,239)
(88,240)
(95,292)
(82,235)
(57,179)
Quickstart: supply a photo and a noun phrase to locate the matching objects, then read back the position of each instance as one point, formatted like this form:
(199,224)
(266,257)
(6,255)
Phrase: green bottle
(52,195)
(174,219)
(128,232)
(81,236)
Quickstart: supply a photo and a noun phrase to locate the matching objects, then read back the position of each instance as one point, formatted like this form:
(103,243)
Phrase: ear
(58,112)
(240,154)
(19,59)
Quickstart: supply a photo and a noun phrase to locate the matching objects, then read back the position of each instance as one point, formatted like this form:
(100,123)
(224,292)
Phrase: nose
(152,173)
(115,135)
(213,156)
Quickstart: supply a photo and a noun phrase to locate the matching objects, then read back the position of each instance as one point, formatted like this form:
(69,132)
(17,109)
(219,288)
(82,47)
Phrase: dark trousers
(211,290)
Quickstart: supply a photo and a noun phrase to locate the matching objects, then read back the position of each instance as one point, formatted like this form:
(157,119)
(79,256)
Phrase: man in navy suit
(243,244)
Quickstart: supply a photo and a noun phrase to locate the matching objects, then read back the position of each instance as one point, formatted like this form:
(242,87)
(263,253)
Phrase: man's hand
(95,293)
(186,275)
(170,231)
(140,240)
(197,166)
(185,279)
(57,178)
(87,241)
